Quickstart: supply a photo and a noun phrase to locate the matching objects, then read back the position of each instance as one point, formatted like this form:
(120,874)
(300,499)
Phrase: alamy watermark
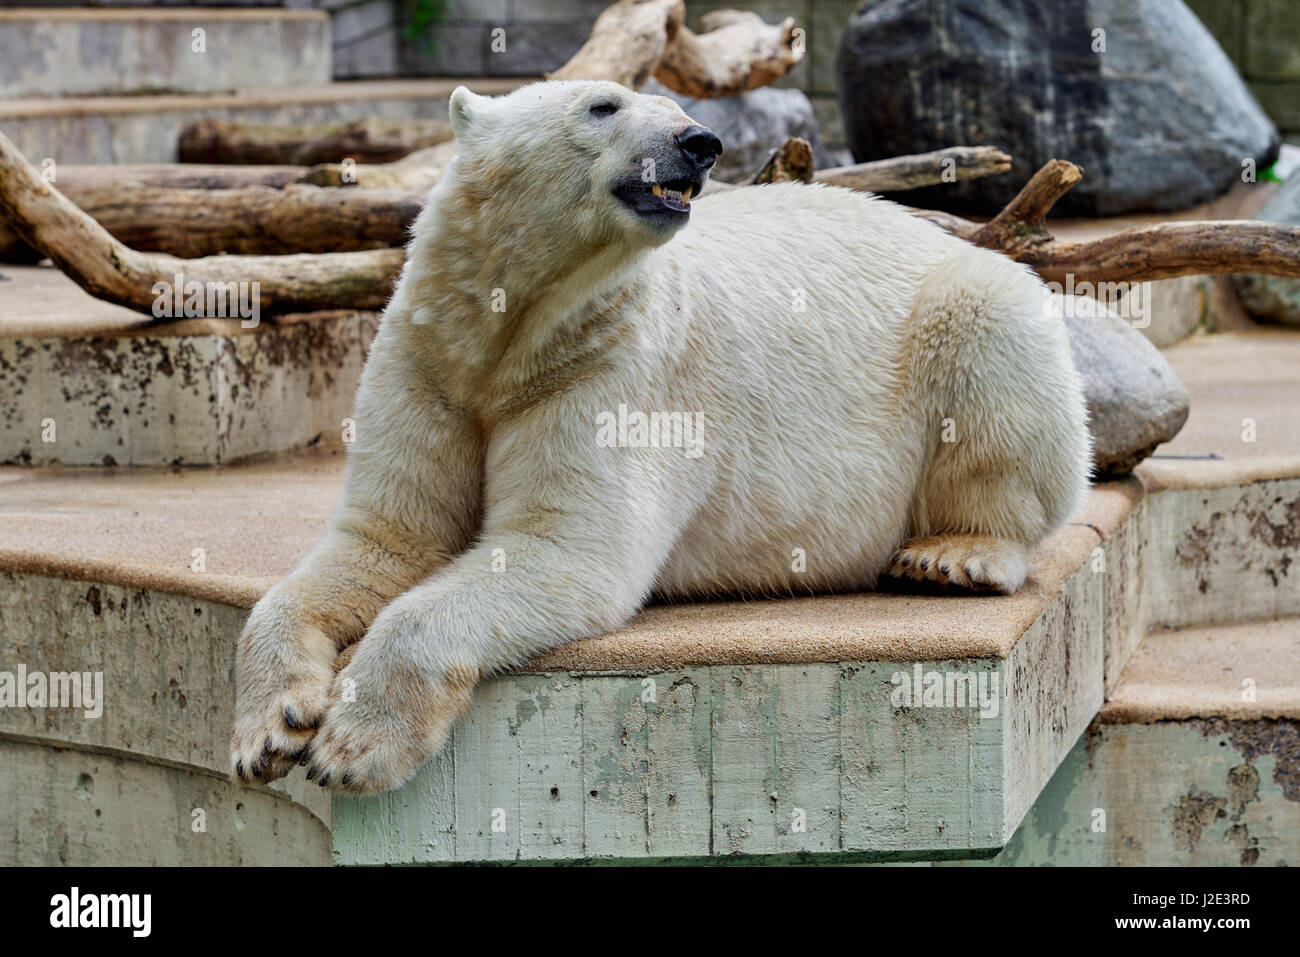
(1130,301)
(54,689)
(632,429)
(947,689)
(208,300)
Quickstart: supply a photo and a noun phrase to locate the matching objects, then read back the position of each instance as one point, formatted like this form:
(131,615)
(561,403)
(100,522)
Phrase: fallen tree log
(627,42)
(51,223)
(372,139)
(174,176)
(900,173)
(1139,254)
(251,220)
(739,52)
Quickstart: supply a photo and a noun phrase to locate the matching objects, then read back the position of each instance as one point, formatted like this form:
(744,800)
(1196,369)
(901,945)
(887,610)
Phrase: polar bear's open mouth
(670,198)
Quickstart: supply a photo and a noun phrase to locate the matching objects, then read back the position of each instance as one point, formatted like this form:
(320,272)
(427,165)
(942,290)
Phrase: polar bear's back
(815,237)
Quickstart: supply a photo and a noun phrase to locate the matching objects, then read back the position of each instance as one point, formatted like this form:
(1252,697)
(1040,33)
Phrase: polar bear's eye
(603,108)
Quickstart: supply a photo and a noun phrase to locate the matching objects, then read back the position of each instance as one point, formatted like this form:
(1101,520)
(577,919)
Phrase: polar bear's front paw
(966,561)
(283,677)
(383,721)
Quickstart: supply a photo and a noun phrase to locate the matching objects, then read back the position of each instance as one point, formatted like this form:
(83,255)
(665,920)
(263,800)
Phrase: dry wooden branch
(372,139)
(1021,225)
(252,220)
(50,222)
(1167,250)
(922,169)
(626,43)
(1141,254)
(740,52)
(790,162)
(173,176)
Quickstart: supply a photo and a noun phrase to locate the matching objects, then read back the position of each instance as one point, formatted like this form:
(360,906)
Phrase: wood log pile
(318,214)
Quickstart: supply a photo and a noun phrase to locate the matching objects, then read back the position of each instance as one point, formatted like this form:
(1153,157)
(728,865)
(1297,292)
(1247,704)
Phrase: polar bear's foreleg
(410,503)
(575,555)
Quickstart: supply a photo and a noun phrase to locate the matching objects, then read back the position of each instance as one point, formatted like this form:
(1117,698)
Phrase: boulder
(751,125)
(1158,120)
(1274,298)
(1135,399)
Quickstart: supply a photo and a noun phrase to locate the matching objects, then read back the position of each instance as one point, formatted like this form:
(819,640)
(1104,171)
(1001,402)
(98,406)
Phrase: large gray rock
(752,125)
(1159,120)
(1274,298)
(1135,400)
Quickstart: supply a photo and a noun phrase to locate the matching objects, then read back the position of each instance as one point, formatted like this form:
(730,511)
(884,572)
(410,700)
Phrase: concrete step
(1224,509)
(154,50)
(84,382)
(1194,760)
(144,129)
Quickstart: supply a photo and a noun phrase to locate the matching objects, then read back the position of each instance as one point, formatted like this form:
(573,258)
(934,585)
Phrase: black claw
(345,780)
(312,772)
(945,568)
(257,772)
(324,779)
(267,746)
(239,768)
(907,561)
(925,564)
(288,718)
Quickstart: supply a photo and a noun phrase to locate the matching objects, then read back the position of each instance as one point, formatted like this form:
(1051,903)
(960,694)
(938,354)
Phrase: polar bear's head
(592,160)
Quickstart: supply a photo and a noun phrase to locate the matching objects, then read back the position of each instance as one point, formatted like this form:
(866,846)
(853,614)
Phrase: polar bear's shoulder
(802,219)
(784,206)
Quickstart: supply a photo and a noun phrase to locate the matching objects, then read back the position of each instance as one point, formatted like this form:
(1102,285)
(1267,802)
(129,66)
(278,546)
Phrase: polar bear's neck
(480,273)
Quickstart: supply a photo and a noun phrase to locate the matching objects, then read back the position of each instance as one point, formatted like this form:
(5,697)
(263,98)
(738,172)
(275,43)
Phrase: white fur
(481,520)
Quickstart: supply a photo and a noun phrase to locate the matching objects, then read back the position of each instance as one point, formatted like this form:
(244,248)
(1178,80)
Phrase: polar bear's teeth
(671,196)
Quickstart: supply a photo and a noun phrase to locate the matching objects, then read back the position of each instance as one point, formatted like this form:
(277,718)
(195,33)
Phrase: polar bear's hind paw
(976,562)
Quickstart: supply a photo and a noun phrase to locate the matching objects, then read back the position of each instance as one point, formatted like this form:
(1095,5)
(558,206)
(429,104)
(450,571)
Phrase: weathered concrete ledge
(87,383)
(1194,760)
(143,781)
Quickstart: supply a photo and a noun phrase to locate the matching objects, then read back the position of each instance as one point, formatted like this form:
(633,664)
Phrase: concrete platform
(142,50)
(732,731)
(145,128)
(84,382)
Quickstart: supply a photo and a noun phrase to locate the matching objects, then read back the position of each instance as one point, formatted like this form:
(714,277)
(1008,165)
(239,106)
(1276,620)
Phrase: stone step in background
(1194,760)
(144,129)
(91,51)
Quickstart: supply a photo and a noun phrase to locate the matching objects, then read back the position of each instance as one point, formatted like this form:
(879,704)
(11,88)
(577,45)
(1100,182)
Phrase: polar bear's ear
(464,110)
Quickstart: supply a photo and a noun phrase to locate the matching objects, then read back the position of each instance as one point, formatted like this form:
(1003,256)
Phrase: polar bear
(591,387)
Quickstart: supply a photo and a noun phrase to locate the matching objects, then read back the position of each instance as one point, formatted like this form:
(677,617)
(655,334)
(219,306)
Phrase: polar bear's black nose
(699,145)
